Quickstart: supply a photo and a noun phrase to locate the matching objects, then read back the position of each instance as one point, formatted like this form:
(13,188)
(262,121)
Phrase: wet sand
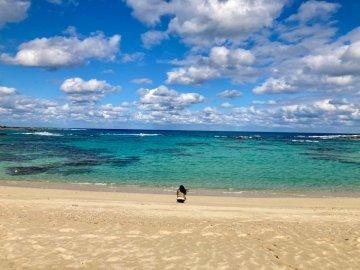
(42,228)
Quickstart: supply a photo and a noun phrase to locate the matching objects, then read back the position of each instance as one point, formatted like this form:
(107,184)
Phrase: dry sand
(67,229)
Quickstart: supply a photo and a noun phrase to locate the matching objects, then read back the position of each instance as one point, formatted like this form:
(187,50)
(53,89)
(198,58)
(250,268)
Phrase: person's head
(182,189)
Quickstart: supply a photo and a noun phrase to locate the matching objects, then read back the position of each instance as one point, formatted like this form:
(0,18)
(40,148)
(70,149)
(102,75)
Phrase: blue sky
(282,65)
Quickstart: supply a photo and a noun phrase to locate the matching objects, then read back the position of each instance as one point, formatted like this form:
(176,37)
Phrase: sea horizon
(176,129)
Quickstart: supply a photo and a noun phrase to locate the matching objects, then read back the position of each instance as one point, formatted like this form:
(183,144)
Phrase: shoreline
(119,188)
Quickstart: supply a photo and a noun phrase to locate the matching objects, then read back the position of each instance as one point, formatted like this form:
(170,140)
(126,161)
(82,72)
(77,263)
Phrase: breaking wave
(132,134)
(42,133)
(332,137)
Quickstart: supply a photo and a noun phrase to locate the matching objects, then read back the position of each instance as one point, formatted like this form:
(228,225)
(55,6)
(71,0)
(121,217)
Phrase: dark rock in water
(173,151)
(190,144)
(84,162)
(13,158)
(121,162)
(183,154)
(26,170)
(3,134)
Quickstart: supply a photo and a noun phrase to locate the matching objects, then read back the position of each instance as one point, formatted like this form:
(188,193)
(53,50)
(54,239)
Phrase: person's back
(181,194)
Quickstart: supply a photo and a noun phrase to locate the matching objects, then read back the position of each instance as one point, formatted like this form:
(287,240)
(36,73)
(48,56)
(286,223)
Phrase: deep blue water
(198,159)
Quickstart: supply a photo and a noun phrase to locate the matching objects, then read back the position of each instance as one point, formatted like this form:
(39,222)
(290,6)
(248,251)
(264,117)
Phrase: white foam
(42,133)
(330,137)
(132,134)
(309,141)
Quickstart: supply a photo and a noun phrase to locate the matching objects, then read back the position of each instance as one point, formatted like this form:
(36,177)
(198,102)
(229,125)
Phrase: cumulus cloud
(165,99)
(313,9)
(57,52)
(309,56)
(7,90)
(149,11)
(276,86)
(221,61)
(230,94)
(12,11)
(27,110)
(142,81)
(209,22)
(81,91)
(163,105)
(191,75)
(152,38)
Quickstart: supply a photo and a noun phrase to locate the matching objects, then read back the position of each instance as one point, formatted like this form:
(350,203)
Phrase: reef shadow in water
(71,167)
(76,160)
(191,144)
(171,151)
(331,154)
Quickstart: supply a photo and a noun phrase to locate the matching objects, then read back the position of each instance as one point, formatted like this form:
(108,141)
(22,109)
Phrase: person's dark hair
(182,189)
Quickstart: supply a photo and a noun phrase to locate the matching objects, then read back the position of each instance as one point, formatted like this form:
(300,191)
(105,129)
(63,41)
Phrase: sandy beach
(44,228)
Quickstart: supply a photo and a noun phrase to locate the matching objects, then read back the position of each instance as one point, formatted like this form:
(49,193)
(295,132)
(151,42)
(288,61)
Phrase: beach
(52,228)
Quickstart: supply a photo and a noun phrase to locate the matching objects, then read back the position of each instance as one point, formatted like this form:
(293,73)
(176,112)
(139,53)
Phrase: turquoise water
(219,160)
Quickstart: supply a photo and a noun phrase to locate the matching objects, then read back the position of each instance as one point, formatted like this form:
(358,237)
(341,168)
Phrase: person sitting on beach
(181,194)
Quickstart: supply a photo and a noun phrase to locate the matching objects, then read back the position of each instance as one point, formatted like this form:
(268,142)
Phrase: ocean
(234,161)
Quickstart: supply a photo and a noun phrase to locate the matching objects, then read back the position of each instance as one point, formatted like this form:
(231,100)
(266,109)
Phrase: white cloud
(209,22)
(234,63)
(149,11)
(339,80)
(7,90)
(165,106)
(57,52)
(274,86)
(264,102)
(191,75)
(152,38)
(165,99)
(142,81)
(230,94)
(12,11)
(226,105)
(312,9)
(79,90)
(226,58)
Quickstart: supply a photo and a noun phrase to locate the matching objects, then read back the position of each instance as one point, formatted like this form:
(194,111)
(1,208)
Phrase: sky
(251,65)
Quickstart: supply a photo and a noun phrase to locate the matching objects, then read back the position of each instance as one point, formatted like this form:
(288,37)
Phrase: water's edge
(103,187)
